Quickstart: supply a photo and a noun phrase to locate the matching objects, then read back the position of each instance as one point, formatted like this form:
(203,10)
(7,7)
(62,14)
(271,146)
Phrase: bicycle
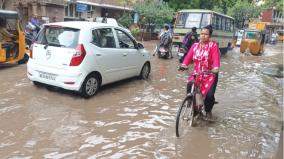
(192,106)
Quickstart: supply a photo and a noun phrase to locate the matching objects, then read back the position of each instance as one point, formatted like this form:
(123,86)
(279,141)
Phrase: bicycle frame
(189,111)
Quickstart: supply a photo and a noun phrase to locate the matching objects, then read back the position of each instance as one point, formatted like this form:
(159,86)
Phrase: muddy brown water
(135,118)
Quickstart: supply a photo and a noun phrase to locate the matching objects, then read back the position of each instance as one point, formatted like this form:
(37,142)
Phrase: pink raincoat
(205,58)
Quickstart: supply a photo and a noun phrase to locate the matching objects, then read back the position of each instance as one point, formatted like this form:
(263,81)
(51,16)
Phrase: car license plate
(47,76)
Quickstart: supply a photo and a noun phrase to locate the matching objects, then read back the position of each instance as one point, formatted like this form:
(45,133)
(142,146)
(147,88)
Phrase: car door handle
(99,54)
(124,54)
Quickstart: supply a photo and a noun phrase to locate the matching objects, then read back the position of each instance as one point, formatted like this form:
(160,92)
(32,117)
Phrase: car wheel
(90,86)
(145,71)
(37,84)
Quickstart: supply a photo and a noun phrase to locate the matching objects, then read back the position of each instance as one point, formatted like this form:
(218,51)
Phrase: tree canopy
(153,11)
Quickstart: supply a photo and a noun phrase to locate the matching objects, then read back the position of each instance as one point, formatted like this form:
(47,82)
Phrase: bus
(223,26)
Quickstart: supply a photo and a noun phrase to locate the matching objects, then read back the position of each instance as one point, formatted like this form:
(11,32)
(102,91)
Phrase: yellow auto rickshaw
(252,42)
(12,39)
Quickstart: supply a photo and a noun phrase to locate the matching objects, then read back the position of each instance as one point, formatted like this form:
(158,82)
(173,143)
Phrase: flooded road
(135,118)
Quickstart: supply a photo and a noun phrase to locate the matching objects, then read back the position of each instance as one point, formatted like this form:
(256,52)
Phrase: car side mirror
(140,46)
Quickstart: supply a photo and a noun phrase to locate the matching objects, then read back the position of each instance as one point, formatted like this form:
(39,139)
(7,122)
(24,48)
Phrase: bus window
(223,24)
(228,24)
(214,21)
(193,20)
(205,20)
(232,25)
(181,18)
(218,23)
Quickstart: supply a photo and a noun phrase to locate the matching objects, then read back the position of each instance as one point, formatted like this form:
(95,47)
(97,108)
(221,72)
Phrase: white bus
(223,26)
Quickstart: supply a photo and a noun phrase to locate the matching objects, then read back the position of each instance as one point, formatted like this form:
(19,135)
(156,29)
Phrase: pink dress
(205,58)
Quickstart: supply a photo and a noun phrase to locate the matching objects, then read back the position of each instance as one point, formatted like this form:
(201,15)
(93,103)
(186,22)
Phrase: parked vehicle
(12,44)
(82,56)
(252,42)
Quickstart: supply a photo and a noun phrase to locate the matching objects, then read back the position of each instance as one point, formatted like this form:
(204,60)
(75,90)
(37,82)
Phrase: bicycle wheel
(184,116)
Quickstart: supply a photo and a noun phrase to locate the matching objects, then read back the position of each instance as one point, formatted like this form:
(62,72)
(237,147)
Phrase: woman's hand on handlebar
(182,68)
(215,70)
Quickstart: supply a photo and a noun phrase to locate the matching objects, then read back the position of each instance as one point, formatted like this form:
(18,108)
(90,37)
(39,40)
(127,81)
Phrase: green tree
(275,4)
(125,20)
(127,3)
(153,12)
(179,4)
(242,11)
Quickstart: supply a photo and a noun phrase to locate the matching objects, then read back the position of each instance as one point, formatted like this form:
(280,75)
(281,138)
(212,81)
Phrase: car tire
(37,84)
(90,86)
(146,69)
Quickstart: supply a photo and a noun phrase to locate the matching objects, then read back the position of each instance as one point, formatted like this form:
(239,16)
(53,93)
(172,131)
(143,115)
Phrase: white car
(82,56)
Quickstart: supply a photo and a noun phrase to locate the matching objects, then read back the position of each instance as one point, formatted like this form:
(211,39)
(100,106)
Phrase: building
(63,10)
(274,20)
(46,10)
(88,9)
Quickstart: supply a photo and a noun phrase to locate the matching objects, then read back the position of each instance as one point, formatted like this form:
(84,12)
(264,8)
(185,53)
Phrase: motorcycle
(163,52)
(182,53)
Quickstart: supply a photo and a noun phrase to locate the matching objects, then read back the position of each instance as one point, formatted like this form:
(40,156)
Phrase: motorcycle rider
(165,39)
(189,39)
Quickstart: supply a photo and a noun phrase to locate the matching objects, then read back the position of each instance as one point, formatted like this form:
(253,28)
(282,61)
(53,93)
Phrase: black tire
(159,54)
(37,84)
(184,116)
(145,71)
(90,86)
(24,60)
(224,50)
(167,55)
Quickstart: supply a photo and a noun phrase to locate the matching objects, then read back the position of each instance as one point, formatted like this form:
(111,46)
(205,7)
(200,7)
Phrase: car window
(103,38)
(58,36)
(124,40)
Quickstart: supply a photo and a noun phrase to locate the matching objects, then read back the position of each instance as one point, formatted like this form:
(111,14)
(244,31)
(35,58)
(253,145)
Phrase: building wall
(53,9)
(267,15)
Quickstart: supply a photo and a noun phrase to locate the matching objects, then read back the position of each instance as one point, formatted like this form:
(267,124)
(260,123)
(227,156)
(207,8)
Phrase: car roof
(81,24)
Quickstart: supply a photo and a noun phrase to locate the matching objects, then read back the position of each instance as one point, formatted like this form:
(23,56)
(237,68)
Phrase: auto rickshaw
(12,39)
(252,42)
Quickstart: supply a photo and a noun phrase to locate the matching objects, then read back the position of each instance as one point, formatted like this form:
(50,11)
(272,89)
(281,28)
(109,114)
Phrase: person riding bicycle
(205,57)
(189,39)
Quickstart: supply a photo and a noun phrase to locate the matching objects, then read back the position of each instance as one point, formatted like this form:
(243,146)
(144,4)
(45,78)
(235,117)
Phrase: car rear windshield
(58,36)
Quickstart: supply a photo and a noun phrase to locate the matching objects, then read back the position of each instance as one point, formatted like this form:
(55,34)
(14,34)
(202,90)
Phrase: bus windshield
(190,20)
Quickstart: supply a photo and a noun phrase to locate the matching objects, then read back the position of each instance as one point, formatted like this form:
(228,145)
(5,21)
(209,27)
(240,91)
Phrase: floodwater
(136,118)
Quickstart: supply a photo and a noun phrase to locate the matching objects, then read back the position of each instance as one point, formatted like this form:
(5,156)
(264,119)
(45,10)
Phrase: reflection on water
(135,118)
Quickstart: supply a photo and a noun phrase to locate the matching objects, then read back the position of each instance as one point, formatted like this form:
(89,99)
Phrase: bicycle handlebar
(181,68)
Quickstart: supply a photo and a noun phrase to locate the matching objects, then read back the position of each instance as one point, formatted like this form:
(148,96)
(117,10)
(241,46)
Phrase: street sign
(82,7)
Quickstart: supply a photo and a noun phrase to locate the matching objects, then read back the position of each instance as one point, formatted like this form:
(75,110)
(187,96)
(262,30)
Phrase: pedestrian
(189,39)
(35,21)
(205,57)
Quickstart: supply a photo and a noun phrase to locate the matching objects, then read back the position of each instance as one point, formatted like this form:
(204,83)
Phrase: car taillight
(31,51)
(79,55)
